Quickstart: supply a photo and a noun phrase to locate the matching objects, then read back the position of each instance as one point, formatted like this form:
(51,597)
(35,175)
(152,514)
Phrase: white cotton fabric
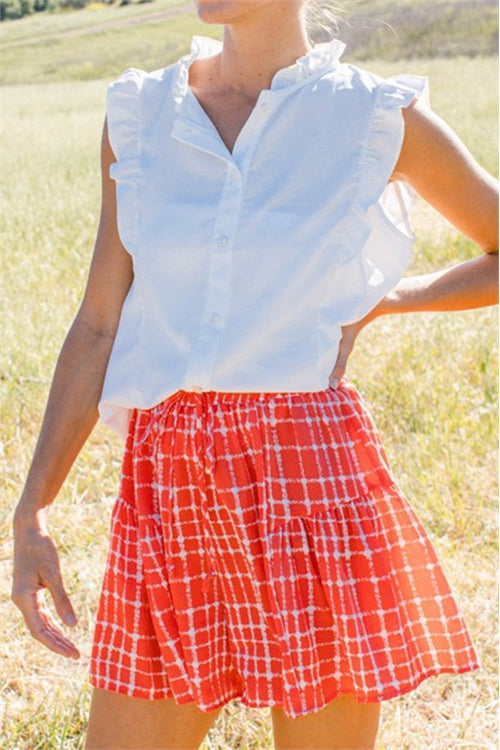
(247,264)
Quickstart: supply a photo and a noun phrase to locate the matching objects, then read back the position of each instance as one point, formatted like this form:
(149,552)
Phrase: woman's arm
(464,286)
(70,416)
(443,171)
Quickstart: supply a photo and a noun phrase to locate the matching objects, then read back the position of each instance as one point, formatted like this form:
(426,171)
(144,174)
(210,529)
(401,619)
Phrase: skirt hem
(388,694)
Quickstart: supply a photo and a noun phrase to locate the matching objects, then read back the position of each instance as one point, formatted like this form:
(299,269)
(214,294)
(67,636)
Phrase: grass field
(431,380)
(98,41)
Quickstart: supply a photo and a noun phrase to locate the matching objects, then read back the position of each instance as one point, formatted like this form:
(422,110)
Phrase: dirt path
(140,20)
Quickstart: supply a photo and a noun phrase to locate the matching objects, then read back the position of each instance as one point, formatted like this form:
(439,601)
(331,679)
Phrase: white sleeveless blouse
(247,264)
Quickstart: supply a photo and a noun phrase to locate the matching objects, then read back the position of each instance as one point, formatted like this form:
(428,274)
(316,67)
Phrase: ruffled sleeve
(380,237)
(385,137)
(123,111)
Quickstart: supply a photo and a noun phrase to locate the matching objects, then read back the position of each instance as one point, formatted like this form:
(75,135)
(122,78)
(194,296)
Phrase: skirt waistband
(196,397)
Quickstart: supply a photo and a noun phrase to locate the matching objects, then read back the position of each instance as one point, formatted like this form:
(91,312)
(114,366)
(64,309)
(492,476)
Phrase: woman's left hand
(346,345)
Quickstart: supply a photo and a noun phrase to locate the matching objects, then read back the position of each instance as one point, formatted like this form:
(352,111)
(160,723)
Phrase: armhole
(397,197)
(394,207)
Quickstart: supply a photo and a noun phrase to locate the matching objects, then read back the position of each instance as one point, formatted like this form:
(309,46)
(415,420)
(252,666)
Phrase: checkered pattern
(261,549)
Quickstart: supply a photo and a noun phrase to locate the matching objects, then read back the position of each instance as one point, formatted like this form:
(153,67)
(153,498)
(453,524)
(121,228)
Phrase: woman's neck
(255,50)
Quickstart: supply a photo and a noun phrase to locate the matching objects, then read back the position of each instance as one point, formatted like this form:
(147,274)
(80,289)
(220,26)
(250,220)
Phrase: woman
(254,220)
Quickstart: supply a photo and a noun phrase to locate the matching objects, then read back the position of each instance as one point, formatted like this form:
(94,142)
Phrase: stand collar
(314,62)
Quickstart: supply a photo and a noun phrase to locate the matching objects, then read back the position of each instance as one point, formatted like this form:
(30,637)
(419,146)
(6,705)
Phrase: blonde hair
(323,19)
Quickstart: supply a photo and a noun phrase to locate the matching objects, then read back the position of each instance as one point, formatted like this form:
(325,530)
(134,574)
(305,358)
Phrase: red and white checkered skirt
(261,549)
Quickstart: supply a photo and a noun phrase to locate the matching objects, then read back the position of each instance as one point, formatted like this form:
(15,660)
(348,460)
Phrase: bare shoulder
(440,167)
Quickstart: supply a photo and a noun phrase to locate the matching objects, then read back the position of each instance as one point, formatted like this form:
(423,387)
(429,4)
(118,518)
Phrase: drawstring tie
(154,438)
(206,430)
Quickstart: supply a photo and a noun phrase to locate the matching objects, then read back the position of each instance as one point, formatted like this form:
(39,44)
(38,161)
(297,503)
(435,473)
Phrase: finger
(42,628)
(346,346)
(338,371)
(58,637)
(335,378)
(51,637)
(61,599)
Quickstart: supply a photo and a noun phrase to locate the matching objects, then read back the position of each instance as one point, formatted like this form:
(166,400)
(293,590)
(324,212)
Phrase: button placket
(248,138)
(221,241)
(203,355)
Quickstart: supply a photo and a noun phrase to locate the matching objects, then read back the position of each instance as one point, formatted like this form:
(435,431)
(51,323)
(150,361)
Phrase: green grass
(102,54)
(99,42)
(48,24)
(90,44)
(420,29)
(431,381)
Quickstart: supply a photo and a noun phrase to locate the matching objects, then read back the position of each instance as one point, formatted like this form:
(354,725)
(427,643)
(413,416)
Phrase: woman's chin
(225,11)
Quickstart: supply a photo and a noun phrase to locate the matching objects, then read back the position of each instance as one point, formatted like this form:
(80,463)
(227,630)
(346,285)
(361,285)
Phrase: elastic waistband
(245,397)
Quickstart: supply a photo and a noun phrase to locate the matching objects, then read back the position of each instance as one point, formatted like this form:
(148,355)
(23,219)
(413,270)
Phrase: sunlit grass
(431,381)
(98,42)
(48,24)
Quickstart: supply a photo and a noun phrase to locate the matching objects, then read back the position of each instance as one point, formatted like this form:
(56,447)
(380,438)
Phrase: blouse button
(214,317)
(222,240)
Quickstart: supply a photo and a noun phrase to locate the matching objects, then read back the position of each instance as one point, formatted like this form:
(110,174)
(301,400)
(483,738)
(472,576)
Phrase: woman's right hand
(36,567)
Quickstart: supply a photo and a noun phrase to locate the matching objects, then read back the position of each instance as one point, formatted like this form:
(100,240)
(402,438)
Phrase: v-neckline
(199,106)
(284,82)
